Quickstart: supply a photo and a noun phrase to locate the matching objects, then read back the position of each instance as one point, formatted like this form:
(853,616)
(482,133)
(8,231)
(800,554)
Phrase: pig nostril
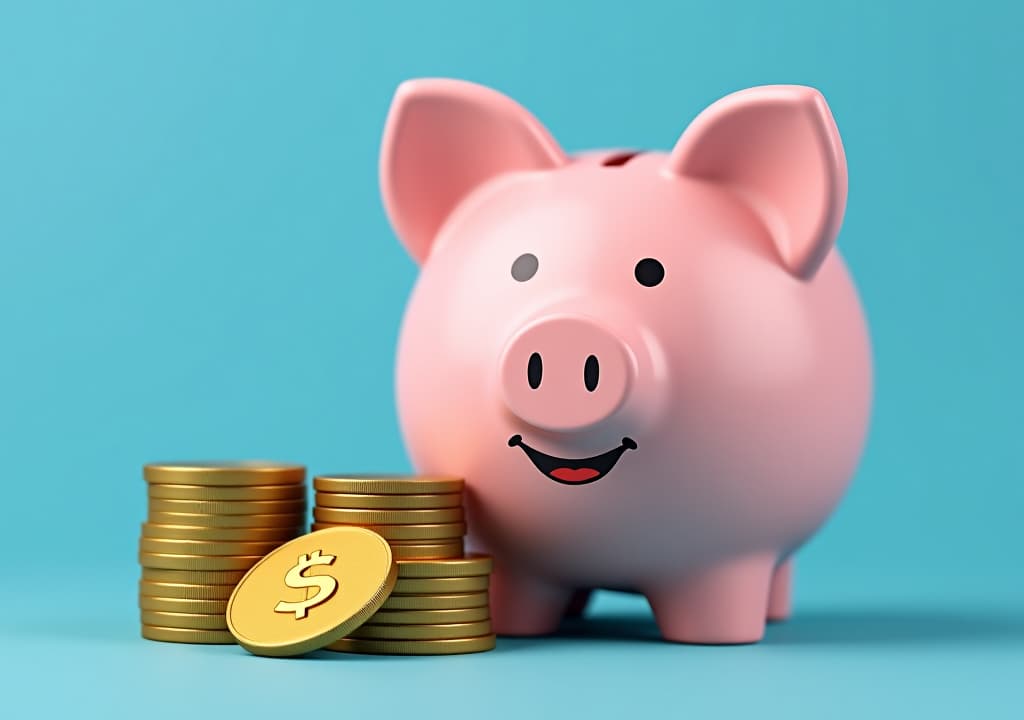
(534,370)
(591,373)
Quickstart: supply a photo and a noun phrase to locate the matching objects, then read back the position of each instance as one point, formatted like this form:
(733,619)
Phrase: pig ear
(443,138)
(778,148)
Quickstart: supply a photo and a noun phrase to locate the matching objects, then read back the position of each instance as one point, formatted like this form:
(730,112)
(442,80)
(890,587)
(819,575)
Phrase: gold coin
(350,572)
(422,632)
(225,474)
(278,521)
(185,591)
(388,517)
(228,507)
(415,647)
(473,564)
(192,621)
(388,502)
(204,547)
(186,635)
(414,533)
(171,561)
(206,492)
(193,577)
(192,532)
(441,586)
(387,484)
(436,602)
(430,617)
(426,551)
(182,605)
(439,531)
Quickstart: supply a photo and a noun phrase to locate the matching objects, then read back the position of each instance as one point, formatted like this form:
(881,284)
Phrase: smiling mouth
(572,471)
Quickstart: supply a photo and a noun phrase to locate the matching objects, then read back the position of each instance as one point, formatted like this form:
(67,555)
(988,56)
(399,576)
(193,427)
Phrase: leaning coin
(350,571)
(436,531)
(387,484)
(192,532)
(194,621)
(192,577)
(203,547)
(187,635)
(422,632)
(430,617)
(207,492)
(180,605)
(476,583)
(388,502)
(196,562)
(415,647)
(426,551)
(255,472)
(472,564)
(228,507)
(278,521)
(185,591)
(436,602)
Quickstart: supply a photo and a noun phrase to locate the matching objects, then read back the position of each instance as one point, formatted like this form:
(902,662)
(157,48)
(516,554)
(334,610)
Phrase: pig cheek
(447,373)
(756,327)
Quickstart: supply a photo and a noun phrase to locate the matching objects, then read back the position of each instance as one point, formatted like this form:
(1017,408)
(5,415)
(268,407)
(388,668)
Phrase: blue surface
(194,263)
(908,647)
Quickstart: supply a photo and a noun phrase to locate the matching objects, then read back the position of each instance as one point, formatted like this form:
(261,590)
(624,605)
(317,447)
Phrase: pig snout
(564,373)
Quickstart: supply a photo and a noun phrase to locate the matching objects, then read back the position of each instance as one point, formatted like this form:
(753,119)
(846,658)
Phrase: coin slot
(619,159)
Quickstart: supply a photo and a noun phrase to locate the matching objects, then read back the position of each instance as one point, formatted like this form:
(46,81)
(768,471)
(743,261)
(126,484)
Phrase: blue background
(194,263)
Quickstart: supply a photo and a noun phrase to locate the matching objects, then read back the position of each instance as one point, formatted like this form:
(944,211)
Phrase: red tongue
(574,475)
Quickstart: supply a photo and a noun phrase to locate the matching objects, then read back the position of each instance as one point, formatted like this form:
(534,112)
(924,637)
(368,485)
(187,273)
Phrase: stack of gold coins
(420,517)
(208,524)
(437,607)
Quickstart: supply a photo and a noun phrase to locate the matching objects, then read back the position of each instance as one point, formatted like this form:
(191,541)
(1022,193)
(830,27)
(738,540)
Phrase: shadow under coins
(844,626)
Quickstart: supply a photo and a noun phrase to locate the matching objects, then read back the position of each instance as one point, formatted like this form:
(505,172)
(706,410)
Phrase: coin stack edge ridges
(189,568)
(440,603)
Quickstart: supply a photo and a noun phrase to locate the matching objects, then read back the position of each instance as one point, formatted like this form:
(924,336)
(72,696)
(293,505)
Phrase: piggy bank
(652,369)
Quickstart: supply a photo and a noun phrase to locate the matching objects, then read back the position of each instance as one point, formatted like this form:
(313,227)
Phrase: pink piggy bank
(652,369)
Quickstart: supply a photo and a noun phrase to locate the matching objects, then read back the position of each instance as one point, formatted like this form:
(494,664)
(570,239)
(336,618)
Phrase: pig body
(653,370)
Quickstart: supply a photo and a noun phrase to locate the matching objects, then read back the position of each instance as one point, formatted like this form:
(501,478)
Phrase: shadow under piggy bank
(898,626)
(819,627)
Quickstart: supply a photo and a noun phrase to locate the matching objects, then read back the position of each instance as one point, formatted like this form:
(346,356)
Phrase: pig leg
(720,605)
(780,598)
(525,605)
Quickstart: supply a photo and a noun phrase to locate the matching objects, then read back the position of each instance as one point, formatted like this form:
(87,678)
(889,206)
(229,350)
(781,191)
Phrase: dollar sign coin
(345,575)
(325,584)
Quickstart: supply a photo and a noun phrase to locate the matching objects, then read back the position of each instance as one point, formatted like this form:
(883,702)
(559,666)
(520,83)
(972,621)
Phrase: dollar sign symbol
(325,584)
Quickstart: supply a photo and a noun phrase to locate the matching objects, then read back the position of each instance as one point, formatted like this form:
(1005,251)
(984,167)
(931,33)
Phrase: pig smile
(573,471)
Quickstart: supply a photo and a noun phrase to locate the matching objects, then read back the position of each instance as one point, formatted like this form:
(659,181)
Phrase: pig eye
(525,267)
(649,272)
